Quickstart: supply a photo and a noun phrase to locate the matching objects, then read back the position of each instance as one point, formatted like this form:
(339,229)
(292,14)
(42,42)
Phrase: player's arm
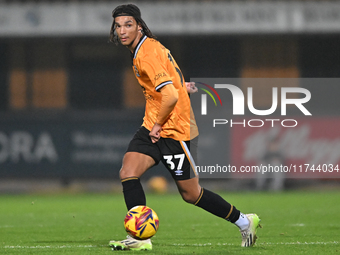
(169,100)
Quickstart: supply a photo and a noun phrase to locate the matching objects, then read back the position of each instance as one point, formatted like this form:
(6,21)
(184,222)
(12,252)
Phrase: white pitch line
(289,243)
(297,225)
(303,243)
(176,244)
(50,246)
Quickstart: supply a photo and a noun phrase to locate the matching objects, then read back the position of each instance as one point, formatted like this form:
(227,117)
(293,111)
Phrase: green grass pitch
(293,223)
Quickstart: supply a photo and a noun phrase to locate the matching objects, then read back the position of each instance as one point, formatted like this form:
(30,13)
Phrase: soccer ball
(141,222)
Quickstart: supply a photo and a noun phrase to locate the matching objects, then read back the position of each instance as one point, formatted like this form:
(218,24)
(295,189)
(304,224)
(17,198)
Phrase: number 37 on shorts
(175,162)
(179,166)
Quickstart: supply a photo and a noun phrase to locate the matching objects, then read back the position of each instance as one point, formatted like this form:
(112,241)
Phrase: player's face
(127,30)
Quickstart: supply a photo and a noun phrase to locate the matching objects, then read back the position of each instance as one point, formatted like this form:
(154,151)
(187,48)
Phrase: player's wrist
(157,123)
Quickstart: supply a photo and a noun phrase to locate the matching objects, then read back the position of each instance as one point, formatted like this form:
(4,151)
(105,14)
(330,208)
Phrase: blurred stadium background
(69,102)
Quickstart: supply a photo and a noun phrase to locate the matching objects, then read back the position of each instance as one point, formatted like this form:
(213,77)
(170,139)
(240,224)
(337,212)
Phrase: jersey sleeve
(155,69)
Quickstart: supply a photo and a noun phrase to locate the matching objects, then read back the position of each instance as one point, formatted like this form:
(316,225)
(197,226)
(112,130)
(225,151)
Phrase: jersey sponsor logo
(160,75)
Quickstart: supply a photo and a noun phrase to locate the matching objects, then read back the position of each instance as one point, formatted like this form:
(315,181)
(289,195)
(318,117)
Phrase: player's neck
(132,46)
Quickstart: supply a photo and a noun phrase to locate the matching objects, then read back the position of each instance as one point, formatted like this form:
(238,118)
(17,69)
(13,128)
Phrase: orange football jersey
(154,67)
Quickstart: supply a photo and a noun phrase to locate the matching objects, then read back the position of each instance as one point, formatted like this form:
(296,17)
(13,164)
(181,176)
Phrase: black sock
(133,192)
(216,205)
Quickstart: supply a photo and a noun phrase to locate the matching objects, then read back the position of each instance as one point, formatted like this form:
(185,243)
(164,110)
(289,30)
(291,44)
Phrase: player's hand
(155,133)
(191,88)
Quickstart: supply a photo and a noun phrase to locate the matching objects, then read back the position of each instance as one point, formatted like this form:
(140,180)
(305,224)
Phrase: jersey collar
(143,38)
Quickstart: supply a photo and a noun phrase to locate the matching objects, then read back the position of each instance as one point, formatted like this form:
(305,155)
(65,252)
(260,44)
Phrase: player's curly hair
(128,10)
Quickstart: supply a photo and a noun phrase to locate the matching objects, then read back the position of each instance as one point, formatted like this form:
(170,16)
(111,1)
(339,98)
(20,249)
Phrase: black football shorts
(179,157)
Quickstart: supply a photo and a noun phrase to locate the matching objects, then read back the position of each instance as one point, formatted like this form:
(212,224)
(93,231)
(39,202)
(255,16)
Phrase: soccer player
(168,133)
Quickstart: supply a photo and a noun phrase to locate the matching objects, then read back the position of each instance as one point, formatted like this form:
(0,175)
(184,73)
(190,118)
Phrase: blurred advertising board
(64,148)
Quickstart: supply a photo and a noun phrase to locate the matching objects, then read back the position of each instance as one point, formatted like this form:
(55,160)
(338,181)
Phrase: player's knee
(125,173)
(189,197)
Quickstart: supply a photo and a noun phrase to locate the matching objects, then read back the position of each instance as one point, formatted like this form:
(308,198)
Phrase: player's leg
(180,161)
(179,157)
(135,164)
(193,193)
(140,156)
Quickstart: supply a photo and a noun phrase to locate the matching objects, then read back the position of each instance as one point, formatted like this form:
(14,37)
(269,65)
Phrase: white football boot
(132,244)
(249,234)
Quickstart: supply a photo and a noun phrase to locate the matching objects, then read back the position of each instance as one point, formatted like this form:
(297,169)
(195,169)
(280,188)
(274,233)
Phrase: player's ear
(140,28)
